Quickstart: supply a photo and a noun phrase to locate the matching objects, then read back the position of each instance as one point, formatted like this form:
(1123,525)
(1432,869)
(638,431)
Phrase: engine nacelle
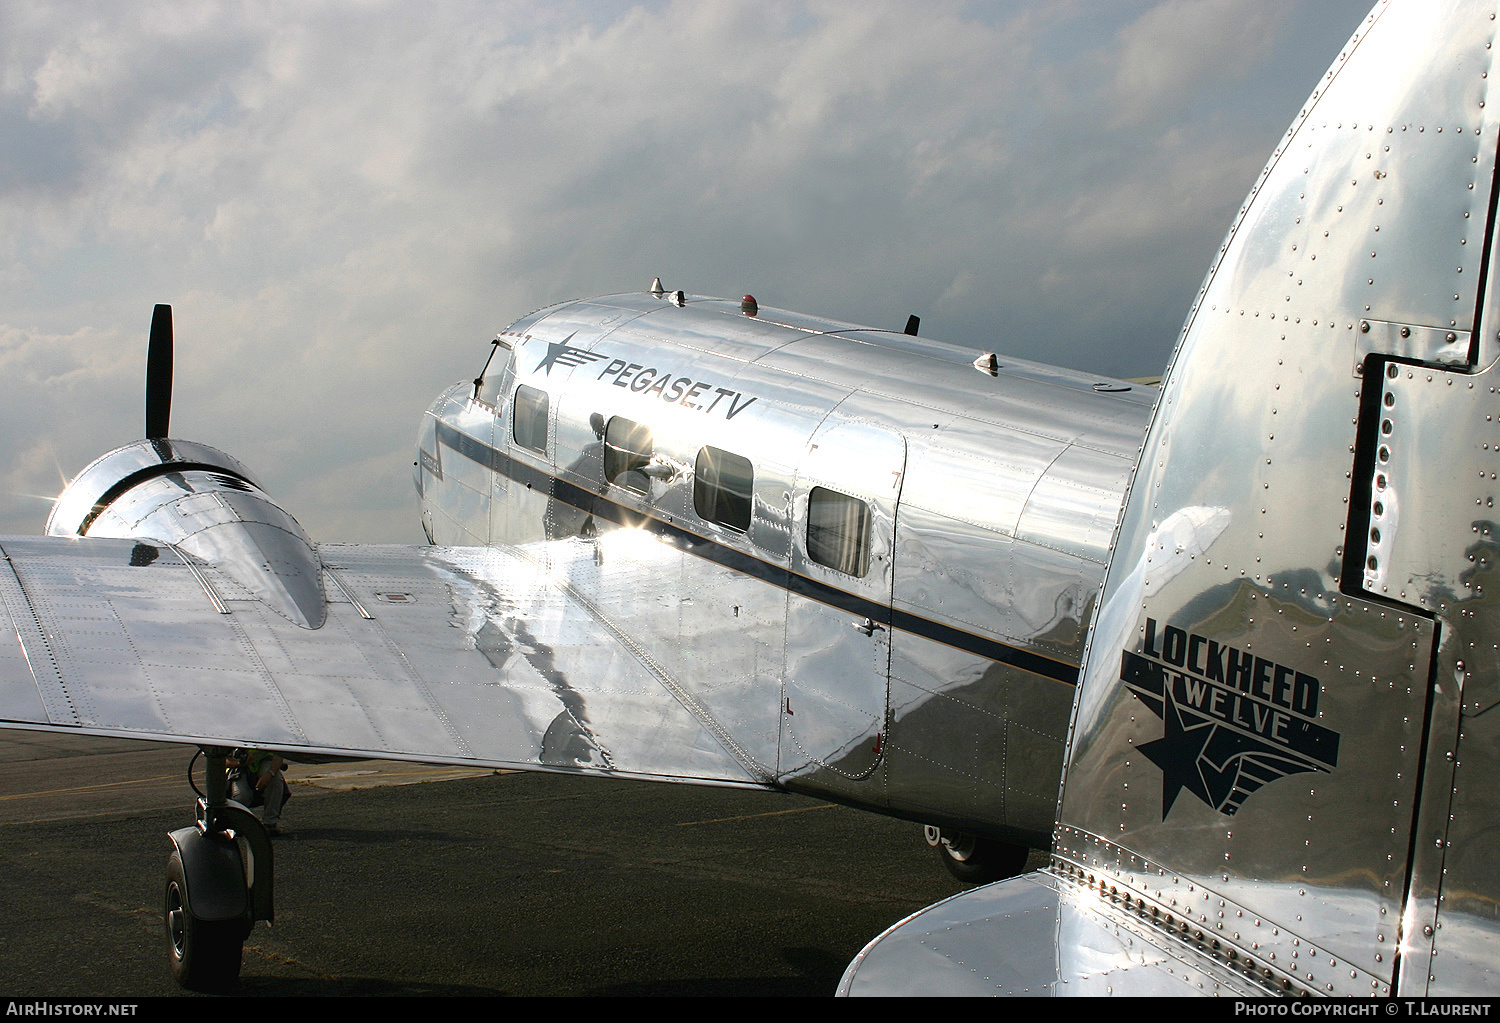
(201,502)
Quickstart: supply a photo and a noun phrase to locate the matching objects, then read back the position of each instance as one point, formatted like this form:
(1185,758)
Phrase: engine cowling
(205,504)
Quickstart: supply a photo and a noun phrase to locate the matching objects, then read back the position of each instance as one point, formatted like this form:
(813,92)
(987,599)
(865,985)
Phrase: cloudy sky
(344,201)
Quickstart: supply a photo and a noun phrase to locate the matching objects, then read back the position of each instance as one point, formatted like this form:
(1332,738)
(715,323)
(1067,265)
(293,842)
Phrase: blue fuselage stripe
(721,554)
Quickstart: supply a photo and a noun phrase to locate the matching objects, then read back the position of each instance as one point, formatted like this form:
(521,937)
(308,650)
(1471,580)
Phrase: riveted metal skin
(1431,544)
(935,680)
(1061,939)
(1282,756)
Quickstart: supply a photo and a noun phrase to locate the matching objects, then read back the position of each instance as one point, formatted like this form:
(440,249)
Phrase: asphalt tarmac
(397,879)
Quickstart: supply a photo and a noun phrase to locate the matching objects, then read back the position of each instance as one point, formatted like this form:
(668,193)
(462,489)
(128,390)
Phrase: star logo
(1219,743)
(560,354)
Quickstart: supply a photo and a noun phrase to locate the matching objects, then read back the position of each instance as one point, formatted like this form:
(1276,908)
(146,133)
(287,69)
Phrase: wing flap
(445,655)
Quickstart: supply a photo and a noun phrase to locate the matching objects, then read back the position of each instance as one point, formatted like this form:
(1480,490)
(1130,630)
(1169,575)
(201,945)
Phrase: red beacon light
(748,305)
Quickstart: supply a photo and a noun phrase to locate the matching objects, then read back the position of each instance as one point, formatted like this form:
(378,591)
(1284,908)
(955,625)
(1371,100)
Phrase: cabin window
(627,450)
(529,419)
(722,485)
(838,531)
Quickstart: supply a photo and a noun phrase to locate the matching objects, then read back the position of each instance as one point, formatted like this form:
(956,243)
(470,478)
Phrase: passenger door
(838,650)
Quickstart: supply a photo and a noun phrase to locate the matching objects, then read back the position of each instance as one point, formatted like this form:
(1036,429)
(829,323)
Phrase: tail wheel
(204,954)
(974,859)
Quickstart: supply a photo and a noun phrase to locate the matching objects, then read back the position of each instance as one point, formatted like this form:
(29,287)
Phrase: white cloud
(1164,55)
(343,201)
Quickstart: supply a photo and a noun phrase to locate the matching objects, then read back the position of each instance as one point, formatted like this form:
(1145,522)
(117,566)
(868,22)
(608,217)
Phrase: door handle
(869,627)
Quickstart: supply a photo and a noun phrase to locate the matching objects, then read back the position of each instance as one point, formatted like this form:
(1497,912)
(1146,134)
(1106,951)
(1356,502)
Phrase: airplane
(1222,646)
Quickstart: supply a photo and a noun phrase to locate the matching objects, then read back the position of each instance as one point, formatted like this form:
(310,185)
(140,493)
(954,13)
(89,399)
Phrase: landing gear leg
(219,882)
(974,859)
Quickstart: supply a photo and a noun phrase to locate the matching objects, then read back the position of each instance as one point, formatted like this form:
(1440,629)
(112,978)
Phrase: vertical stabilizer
(1264,742)
(1283,758)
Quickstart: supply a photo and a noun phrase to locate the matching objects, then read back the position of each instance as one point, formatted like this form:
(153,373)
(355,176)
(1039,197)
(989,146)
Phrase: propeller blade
(159,374)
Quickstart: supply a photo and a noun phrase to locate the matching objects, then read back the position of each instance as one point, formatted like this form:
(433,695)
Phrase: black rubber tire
(976,860)
(204,954)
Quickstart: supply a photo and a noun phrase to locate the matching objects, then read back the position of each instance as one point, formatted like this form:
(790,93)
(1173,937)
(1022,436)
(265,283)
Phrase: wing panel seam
(717,730)
(39,654)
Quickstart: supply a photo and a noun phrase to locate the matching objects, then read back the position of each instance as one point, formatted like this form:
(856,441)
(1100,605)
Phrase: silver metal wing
(444,655)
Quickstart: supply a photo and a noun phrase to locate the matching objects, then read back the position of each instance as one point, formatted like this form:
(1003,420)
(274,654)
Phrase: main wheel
(974,859)
(204,954)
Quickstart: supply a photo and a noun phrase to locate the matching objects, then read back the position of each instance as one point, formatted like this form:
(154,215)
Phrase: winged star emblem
(1222,747)
(561,354)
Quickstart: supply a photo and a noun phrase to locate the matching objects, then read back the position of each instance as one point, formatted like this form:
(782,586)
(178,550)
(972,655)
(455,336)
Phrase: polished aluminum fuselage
(936,684)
